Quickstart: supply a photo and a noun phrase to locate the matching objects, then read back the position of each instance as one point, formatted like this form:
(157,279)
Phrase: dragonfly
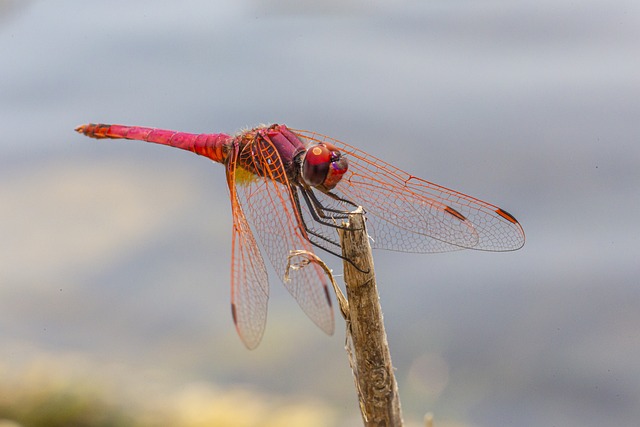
(291,189)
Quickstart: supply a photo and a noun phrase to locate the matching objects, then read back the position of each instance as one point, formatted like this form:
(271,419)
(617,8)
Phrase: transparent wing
(249,280)
(269,208)
(409,214)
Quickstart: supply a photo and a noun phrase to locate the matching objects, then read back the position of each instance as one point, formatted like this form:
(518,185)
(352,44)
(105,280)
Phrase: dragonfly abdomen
(213,146)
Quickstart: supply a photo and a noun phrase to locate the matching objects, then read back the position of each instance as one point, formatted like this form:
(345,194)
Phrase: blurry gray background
(115,256)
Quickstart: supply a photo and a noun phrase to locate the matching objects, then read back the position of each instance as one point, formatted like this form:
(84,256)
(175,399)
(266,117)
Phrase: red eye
(323,166)
(316,165)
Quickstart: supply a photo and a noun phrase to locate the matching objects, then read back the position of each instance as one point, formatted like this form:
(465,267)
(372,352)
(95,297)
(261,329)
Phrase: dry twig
(366,337)
(366,340)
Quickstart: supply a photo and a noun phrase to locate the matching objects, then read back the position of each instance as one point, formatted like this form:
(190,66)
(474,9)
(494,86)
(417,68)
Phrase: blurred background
(115,256)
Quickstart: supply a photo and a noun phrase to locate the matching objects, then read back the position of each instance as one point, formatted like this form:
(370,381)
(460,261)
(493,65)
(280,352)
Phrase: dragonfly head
(323,166)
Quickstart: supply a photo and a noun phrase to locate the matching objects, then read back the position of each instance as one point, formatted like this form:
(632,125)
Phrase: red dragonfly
(292,188)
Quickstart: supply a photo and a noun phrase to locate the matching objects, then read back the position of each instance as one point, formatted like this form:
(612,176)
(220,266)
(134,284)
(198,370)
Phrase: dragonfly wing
(271,211)
(249,280)
(409,214)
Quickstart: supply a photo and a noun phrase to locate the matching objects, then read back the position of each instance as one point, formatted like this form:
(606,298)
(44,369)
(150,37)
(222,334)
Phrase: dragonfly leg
(338,198)
(312,236)
(316,218)
(318,211)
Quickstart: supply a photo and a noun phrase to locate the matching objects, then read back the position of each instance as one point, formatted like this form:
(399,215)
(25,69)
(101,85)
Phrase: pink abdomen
(213,146)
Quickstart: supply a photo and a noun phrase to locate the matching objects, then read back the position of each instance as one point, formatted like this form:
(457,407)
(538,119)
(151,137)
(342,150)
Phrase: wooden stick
(366,338)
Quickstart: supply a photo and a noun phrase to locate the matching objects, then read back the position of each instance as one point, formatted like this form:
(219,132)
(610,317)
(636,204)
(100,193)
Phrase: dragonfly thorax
(323,166)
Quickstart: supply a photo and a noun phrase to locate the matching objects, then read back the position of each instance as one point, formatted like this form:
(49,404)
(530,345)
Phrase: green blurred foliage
(68,392)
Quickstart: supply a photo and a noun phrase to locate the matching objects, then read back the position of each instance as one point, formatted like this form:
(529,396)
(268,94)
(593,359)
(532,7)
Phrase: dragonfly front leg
(319,211)
(308,230)
(335,197)
(312,235)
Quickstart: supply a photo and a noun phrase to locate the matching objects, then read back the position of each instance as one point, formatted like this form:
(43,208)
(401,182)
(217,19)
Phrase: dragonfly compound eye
(323,166)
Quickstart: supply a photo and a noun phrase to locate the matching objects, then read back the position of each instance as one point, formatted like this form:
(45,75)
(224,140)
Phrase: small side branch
(366,337)
(300,258)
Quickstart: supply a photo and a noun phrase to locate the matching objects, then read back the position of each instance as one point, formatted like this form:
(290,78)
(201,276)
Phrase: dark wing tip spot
(455,213)
(506,215)
(233,313)
(326,294)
